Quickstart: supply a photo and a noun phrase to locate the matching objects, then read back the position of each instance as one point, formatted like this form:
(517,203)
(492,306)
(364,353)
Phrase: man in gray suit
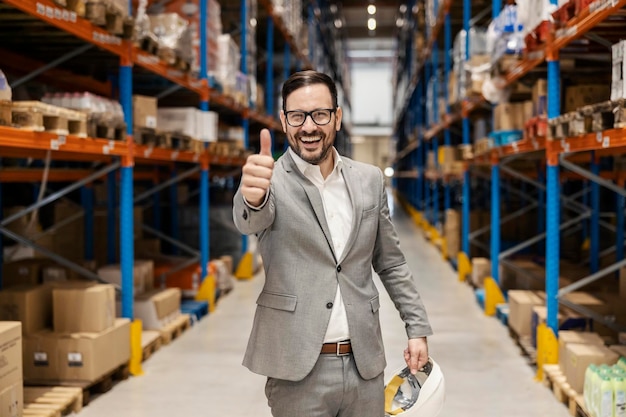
(323,222)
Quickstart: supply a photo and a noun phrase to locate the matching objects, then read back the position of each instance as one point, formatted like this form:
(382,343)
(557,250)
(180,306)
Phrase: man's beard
(314,160)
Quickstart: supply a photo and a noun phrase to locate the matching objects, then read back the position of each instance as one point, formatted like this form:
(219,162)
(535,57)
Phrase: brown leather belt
(339,348)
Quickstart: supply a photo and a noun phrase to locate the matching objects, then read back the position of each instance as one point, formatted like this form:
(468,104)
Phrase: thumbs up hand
(257,172)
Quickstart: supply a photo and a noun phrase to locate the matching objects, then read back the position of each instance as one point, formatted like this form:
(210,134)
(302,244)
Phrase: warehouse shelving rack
(558,154)
(125,154)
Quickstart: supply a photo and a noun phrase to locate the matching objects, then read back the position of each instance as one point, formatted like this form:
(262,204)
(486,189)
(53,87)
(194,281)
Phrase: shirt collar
(303,165)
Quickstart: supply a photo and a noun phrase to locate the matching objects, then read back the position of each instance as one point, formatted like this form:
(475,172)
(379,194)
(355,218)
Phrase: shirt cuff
(267,195)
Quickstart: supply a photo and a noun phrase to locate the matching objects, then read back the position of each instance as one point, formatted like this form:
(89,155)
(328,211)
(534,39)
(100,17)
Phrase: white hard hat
(415,395)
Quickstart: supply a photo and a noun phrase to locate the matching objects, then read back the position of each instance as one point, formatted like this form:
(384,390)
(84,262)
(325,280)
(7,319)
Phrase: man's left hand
(416,354)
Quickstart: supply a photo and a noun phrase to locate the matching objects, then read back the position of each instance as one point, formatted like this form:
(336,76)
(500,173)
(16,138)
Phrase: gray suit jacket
(302,273)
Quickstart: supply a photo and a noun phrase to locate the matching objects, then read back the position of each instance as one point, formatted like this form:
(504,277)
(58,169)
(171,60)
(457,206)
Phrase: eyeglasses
(321,117)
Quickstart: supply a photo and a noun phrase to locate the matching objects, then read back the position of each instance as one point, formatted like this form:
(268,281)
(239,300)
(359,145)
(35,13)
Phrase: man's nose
(309,124)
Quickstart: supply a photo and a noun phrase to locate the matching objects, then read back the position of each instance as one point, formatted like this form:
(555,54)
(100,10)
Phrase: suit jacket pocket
(370,211)
(277,301)
(375,303)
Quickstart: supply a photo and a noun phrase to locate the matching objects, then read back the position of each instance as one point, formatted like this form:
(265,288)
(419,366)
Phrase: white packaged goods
(228,61)
(197,124)
(618,87)
(173,32)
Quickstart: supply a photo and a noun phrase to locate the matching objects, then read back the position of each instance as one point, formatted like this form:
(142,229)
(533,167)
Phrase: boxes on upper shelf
(618,86)
(144,111)
(582,95)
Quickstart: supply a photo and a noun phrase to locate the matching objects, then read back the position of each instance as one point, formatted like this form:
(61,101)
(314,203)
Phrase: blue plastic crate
(505,137)
(502,313)
(196,309)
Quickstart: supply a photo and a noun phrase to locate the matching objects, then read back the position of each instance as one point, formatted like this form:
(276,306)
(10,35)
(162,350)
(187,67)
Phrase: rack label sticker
(565,145)
(175,73)
(54,144)
(175,155)
(55,13)
(75,359)
(147,59)
(196,157)
(40,359)
(148,152)
(567,33)
(106,150)
(106,38)
(599,5)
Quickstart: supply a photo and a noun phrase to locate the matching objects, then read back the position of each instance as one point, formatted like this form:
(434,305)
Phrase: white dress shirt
(338,211)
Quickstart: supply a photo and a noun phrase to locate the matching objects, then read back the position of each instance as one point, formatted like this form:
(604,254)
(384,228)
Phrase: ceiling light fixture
(371,9)
(371,23)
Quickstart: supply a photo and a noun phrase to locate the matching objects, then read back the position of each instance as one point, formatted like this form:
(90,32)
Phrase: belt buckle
(339,344)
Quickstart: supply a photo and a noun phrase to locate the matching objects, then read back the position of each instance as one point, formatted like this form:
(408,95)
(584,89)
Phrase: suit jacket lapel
(314,197)
(356,196)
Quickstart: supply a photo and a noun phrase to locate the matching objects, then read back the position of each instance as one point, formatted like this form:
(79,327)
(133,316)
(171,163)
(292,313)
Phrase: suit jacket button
(329,305)
(338,268)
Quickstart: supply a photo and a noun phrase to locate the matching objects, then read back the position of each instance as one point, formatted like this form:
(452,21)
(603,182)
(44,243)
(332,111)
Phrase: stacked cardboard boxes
(86,340)
(618,86)
(452,232)
(11,380)
(157,308)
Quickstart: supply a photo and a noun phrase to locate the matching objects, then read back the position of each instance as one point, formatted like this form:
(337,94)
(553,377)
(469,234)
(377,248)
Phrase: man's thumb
(266,143)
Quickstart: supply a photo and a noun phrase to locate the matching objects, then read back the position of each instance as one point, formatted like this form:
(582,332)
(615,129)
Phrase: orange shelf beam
(609,139)
(156,66)
(522,146)
(147,153)
(69,22)
(589,18)
(43,141)
(35,175)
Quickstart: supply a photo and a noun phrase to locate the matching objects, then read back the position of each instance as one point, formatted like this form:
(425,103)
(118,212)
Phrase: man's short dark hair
(308,77)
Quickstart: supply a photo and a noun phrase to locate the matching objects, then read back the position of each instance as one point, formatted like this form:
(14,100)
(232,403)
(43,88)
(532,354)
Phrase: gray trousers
(334,388)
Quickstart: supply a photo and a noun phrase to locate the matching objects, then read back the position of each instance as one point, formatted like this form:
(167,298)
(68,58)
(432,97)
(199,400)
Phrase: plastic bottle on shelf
(605,405)
(588,385)
(619,397)
(621,363)
(66,100)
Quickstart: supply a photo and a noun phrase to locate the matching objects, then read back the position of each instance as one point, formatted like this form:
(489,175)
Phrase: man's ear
(283,121)
(338,114)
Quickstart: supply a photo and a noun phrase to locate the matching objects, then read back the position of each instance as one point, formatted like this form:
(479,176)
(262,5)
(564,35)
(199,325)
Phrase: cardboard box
(113,275)
(12,400)
(145,267)
(521,303)
(579,356)
(583,95)
(10,353)
(89,356)
(481,269)
(568,336)
(39,356)
(144,111)
(83,308)
(619,349)
(589,302)
(31,305)
(24,272)
(156,308)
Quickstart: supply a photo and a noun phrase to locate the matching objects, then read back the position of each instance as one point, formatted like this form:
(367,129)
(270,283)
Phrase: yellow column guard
(206,292)
(464,266)
(245,269)
(547,349)
(136,351)
(493,296)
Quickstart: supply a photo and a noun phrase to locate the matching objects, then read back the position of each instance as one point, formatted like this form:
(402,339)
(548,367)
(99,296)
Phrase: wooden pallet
(175,328)
(88,388)
(554,379)
(526,347)
(598,117)
(149,43)
(106,129)
(150,343)
(52,401)
(149,137)
(41,117)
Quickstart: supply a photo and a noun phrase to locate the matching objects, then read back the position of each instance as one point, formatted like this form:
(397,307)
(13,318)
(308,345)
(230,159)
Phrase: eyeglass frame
(309,114)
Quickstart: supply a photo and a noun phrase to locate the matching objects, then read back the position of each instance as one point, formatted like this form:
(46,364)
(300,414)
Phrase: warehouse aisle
(200,374)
